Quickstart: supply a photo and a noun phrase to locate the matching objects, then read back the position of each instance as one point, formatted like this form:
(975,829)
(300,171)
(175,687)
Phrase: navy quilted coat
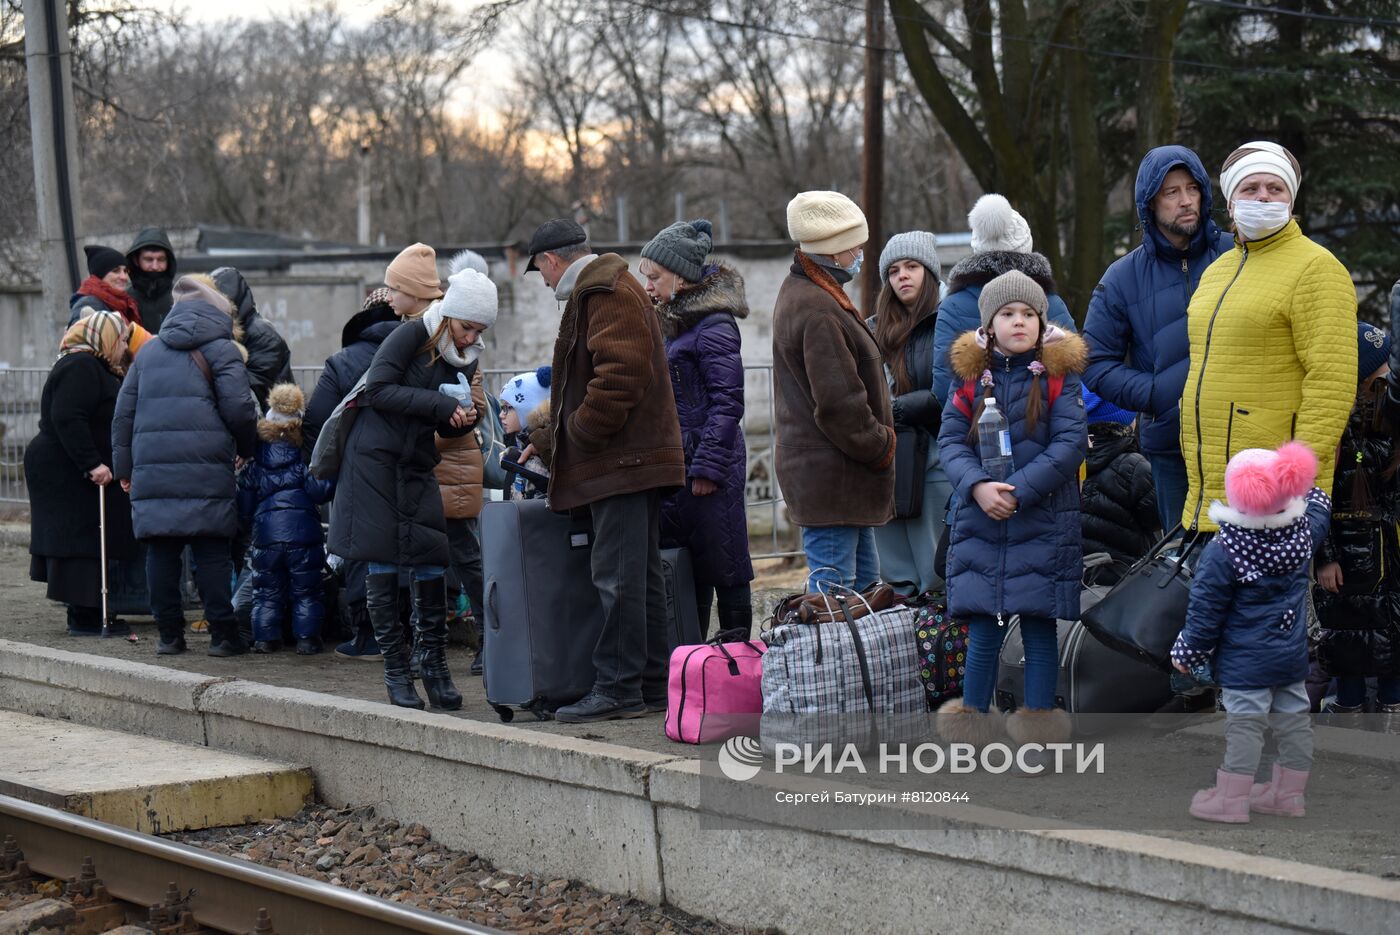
(360,338)
(1136,325)
(957,313)
(1031,563)
(280,496)
(175,435)
(1257,631)
(707,376)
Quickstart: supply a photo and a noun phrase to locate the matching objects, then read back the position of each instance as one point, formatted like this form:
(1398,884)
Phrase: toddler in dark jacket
(526,424)
(1246,627)
(279,496)
(1118,502)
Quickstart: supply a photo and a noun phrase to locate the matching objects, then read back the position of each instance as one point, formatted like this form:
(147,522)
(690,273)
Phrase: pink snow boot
(1228,801)
(1283,795)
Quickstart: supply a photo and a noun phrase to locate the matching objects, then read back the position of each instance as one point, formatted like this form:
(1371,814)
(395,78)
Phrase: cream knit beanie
(414,272)
(996,226)
(826,223)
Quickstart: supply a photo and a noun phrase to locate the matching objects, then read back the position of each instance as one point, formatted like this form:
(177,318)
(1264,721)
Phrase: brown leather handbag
(813,608)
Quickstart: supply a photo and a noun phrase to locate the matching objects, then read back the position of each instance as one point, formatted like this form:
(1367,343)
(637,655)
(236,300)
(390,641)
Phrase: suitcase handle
(491,605)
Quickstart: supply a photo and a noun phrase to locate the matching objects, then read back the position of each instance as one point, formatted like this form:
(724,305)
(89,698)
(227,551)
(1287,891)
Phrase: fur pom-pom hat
(996,226)
(286,406)
(1260,483)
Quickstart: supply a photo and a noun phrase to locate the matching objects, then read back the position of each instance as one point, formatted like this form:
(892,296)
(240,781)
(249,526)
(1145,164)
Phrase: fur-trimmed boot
(1038,726)
(1282,795)
(960,723)
(1227,801)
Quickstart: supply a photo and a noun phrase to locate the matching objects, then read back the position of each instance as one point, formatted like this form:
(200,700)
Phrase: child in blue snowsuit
(1014,547)
(279,496)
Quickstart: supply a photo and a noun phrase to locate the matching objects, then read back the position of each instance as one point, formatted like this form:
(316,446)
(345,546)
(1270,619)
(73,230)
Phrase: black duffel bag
(1143,614)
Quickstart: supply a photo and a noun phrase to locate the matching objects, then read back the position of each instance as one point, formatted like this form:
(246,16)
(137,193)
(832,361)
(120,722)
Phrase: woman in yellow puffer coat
(1272,327)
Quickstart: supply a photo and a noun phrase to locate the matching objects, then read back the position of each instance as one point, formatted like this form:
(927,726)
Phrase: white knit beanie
(470,297)
(1260,156)
(526,392)
(997,226)
(826,223)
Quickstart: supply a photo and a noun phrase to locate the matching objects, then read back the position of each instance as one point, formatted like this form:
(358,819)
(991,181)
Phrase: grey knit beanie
(1011,286)
(910,245)
(681,248)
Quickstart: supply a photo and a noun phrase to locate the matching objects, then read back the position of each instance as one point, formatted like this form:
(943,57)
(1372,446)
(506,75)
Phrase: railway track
(191,890)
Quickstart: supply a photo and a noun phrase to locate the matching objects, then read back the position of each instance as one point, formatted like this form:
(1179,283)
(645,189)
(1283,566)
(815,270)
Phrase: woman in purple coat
(698,303)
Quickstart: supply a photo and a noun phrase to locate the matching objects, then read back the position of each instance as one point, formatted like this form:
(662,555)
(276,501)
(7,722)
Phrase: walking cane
(102,537)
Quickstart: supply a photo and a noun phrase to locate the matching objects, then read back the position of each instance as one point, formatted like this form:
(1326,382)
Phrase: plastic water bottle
(994,442)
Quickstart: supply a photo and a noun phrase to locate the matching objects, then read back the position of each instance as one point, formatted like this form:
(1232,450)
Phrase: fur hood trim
(1222,513)
(538,417)
(1063,352)
(289,432)
(722,292)
(981,268)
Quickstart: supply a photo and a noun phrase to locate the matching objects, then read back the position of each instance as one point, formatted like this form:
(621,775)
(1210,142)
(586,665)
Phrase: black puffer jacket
(917,416)
(152,290)
(1360,633)
(1119,503)
(359,339)
(387,507)
(269,358)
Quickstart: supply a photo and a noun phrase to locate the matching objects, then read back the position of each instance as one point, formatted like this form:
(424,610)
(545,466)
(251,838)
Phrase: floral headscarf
(103,334)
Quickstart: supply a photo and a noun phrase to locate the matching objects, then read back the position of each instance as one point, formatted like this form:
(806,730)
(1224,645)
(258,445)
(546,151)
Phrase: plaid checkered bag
(844,681)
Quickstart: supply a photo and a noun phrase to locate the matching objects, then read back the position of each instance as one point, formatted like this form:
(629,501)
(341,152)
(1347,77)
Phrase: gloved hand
(460,391)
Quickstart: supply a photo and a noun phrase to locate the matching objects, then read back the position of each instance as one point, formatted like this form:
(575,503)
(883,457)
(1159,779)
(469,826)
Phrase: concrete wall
(649,825)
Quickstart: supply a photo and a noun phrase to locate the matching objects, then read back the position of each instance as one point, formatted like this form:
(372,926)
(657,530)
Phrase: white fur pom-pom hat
(995,225)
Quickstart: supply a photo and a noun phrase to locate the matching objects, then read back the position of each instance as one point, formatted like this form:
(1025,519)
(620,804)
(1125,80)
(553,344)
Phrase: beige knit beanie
(200,287)
(414,272)
(826,223)
(1011,286)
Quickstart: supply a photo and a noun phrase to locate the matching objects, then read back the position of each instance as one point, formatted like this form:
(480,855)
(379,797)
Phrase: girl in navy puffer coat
(279,496)
(1014,547)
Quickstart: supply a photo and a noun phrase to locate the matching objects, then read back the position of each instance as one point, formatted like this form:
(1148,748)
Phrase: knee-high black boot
(430,600)
(382,600)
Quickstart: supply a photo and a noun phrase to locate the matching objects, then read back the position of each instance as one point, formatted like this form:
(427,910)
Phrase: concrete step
(142,783)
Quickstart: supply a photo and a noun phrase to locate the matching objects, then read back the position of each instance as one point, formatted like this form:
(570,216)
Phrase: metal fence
(770,535)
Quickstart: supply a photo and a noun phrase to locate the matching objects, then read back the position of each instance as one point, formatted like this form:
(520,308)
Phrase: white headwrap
(1259,156)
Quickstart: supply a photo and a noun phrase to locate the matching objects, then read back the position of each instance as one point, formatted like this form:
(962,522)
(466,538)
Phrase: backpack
(966,396)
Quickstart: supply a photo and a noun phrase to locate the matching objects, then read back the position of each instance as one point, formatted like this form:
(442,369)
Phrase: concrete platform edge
(633,822)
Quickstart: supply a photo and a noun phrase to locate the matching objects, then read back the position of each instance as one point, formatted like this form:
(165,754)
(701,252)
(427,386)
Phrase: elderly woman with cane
(67,468)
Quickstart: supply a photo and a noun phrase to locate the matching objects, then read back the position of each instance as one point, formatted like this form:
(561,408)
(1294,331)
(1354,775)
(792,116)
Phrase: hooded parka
(707,376)
(1032,563)
(1136,325)
(152,290)
(176,432)
(269,358)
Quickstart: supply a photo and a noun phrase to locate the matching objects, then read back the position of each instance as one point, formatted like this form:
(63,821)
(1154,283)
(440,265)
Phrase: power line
(1300,14)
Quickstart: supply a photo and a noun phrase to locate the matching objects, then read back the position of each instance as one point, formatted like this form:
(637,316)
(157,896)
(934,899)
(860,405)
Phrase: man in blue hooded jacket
(1136,325)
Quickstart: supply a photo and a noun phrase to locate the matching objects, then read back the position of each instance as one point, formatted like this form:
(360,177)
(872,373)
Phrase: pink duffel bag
(715,691)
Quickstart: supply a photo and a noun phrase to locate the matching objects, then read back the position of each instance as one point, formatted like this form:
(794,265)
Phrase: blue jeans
(419,572)
(843,555)
(1169,479)
(1041,646)
(1351,692)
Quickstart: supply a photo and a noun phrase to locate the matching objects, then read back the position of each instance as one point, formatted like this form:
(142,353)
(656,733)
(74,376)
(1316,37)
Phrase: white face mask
(1256,220)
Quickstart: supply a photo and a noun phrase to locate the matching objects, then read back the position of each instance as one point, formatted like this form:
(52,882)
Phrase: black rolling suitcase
(542,614)
(1093,679)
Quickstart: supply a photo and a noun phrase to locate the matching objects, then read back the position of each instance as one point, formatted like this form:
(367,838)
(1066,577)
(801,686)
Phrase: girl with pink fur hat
(1246,627)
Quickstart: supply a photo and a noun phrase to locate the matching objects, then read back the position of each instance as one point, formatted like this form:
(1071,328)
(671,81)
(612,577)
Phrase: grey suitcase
(542,614)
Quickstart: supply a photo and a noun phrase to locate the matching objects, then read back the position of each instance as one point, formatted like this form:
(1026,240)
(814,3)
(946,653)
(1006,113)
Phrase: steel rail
(228,892)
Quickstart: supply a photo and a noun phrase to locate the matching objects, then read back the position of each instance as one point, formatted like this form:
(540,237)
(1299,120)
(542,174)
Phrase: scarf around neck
(115,299)
(447,350)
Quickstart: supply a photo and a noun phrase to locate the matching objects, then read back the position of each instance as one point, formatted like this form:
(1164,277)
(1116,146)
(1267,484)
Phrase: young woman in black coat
(387,509)
(66,463)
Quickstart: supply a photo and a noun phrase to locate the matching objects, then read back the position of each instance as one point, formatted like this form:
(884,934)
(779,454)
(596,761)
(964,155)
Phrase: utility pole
(54,130)
(872,174)
(362,197)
